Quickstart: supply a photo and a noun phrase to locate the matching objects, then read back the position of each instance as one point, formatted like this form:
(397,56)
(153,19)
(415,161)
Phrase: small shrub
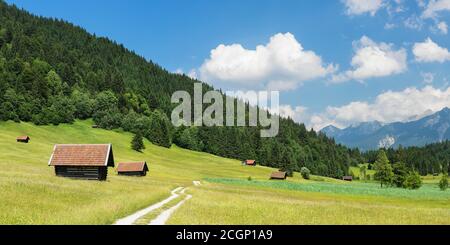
(249,178)
(412,181)
(443,183)
(305,172)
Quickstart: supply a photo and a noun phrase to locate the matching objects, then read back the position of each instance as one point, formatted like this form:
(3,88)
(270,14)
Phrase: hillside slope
(54,72)
(31,194)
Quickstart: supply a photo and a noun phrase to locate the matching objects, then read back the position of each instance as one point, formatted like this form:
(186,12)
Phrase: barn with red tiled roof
(250,162)
(23,139)
(82,161)
(278,175)
(132,168)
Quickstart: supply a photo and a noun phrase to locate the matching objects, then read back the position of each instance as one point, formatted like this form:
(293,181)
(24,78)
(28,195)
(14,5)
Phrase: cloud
(281,64)
(389,26)
(434,7)
(373,59)
(298,113)
(391,106)
(359,7)
(442,27)
(428,77)
(388,107)
(192,73)
(413,22)
(421,3)
(429,51)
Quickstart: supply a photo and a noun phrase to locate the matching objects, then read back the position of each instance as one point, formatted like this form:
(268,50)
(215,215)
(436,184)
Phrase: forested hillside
(430,159)
(53,72)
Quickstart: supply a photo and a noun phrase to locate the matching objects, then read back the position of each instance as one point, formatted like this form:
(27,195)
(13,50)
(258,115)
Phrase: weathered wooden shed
(347,178)
(278,175)
(89,162)
(132,168)
(250,162)
(23,139)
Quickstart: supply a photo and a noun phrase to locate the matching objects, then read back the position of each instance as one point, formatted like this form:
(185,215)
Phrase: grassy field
(247,204)
(357,173)
(31,194)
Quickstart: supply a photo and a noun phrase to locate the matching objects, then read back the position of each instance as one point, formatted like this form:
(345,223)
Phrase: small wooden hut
(132,168)
(23,139)
(278,175)
(347,178)
(250,162)
(82,161)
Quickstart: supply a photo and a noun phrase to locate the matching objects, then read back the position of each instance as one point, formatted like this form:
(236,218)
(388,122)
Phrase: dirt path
(164,216)
(129,220)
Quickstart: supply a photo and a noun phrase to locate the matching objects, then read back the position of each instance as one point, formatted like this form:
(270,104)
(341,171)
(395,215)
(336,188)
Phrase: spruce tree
(383,169)
(443,183)
(137,143)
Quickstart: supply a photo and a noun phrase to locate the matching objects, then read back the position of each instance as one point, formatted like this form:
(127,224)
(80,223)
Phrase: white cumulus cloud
(358,7)
(192,73)
(391,106)
(429,51)
(442,27)
(388,107)
(281,64)
(373,59)
(413,22)
(297,113)
(434,7)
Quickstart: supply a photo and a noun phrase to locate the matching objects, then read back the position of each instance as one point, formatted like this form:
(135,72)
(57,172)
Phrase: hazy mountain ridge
(372,135)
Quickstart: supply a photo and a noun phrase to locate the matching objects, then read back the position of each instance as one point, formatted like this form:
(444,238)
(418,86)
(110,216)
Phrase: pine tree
(443,184)
(137,143)
(383,169)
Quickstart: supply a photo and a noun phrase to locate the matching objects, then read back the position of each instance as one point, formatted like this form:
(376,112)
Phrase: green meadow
(30,193)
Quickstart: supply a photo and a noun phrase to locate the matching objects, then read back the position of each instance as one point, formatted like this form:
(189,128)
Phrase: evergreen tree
(383,169)
(413,181)
(362,172)
(400,173)
(305,173)
(137,143)
(443,183)
(287,166)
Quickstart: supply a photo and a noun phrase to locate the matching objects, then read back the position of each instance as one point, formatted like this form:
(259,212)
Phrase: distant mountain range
(373,135)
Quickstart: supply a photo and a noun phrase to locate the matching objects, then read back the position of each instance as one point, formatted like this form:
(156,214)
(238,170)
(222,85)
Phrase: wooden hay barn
(23,139)
(278,175)
(250,162)
(132,168)
(89,162)
(347,178)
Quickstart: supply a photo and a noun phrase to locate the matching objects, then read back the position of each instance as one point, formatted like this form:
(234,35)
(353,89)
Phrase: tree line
(430,159)
(398,174)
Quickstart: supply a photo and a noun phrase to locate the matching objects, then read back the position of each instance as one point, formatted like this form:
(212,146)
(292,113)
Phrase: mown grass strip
(427,192)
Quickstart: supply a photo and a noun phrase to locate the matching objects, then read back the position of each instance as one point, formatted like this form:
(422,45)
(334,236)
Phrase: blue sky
(334,62)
